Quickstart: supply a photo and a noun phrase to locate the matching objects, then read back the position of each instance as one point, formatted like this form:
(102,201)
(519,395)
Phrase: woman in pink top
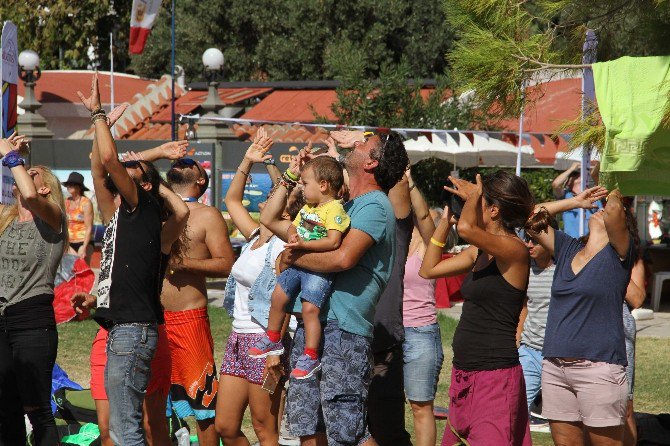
(422,348)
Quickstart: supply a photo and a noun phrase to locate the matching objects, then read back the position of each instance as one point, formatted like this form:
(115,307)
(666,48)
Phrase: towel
(632,94)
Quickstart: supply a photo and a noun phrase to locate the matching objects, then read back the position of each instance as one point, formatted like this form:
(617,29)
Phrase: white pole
(518,153)
(111,75)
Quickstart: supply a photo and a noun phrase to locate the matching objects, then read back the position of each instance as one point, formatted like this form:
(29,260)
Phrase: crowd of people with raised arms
(332,298)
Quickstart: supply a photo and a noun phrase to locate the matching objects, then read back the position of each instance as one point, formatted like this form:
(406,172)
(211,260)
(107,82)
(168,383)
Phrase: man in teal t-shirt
(364,260)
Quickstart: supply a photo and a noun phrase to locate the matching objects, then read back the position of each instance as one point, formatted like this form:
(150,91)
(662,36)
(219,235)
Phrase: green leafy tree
(300,39)
(62,32)
(504,44)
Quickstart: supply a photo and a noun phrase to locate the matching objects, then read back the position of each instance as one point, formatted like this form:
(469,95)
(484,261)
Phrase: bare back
(185,288)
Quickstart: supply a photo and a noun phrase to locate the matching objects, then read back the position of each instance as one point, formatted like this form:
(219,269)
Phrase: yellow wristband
(436,243)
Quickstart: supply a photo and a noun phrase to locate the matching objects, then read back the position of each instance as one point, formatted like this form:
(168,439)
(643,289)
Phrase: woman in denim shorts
(247,299)
(422,348)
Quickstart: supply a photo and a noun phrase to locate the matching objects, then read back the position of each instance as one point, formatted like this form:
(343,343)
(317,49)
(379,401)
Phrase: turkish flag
(142,19)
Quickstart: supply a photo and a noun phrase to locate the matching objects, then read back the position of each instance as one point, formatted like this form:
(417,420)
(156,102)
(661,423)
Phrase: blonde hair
(9,213)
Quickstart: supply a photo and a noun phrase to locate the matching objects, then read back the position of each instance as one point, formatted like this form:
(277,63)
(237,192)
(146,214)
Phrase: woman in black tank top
(487,392)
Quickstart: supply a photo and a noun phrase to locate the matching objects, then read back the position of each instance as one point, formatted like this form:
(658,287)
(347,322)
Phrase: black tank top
(485,338)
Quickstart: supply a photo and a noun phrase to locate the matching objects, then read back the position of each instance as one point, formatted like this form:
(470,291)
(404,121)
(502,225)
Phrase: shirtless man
(184,298)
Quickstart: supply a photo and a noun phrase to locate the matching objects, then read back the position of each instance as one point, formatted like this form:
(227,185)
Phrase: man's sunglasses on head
(187,162)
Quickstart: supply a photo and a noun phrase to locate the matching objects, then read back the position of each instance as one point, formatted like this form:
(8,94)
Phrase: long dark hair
(511,195)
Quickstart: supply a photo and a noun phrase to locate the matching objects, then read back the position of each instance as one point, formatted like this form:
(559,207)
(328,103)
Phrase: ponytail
(539,221)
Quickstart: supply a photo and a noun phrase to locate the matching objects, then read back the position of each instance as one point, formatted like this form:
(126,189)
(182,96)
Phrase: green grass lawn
(652,385)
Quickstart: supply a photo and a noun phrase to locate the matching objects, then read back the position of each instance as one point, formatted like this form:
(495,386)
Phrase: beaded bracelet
(286,178)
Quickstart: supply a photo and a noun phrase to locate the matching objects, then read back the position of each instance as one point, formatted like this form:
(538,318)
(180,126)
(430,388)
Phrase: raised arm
(505,249)
(424,222)
(588,199)
(218,245)
(559,182)
(103,196)
(433,266)
(107,147)
(256,153)
(35,200)
(171,150)
(175,224)
(272,214)
(615,223)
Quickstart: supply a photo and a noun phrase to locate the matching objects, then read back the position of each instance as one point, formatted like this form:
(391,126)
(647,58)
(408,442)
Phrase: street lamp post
(214,131)
(213,60)
(31,123)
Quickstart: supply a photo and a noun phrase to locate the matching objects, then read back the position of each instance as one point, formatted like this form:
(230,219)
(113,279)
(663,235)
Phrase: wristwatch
(270,161)
(13,159)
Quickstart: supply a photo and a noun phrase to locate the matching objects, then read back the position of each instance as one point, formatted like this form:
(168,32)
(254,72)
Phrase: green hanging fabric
(87,434)
(632,94)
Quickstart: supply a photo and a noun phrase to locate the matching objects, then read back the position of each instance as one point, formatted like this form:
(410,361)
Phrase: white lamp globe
(29,60)
(212,59)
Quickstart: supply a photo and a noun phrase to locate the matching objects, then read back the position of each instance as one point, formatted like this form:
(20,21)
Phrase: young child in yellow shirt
(319,227)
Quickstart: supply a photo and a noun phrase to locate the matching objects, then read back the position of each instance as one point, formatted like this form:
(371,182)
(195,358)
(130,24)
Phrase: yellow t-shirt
(314,222)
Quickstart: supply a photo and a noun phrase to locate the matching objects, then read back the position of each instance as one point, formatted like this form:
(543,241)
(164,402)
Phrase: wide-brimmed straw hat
(75,179)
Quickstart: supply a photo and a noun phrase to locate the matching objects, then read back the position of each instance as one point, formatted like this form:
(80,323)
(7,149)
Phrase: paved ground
(658,327)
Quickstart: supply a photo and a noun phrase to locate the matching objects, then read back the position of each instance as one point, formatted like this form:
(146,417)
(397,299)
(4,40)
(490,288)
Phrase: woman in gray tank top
(33,234)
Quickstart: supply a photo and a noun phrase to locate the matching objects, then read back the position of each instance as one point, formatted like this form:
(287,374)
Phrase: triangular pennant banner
(455,136)
(470,136)
(539,137)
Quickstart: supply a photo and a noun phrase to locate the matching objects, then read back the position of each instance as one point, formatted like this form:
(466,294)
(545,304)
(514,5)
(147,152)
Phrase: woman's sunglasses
(133,164)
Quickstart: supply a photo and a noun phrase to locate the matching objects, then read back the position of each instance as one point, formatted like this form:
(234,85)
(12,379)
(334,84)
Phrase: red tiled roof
(299,105)
(62,86)
(194,99)
(294,106)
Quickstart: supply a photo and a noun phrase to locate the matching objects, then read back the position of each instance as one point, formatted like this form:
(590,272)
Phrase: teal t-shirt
(357,290)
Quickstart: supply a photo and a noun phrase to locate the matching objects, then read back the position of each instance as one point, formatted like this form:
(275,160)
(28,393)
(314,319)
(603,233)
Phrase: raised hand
(332,148)
(93,101)
(116,114)
(174,149)
(257,151)
(448,216)
(347,139)
(465,189)
(19,142)
(5,147)
(589,198)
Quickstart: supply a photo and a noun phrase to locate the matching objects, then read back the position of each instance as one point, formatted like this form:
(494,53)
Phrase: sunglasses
(187,162)
(133,164)
(383,137)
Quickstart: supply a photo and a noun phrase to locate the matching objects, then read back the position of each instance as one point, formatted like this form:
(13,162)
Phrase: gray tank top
(30,252)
